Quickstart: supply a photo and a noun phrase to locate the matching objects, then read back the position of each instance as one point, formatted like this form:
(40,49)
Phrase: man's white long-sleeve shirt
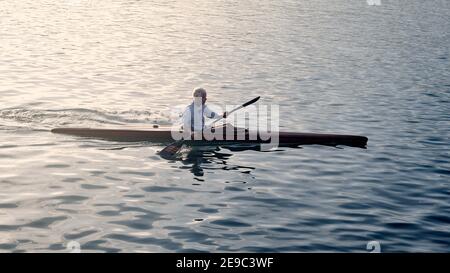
(194,117)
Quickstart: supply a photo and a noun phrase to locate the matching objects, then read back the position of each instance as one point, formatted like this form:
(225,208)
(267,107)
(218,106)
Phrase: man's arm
(211,114)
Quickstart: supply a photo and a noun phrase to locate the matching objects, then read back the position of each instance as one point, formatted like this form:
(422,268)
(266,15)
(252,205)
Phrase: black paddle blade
(170,151)
(251,102)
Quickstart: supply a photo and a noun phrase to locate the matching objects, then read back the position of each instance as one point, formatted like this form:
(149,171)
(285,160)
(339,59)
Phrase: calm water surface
(332,66)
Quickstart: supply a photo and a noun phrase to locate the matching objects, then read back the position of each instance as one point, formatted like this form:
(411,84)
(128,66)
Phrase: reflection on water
(199,158)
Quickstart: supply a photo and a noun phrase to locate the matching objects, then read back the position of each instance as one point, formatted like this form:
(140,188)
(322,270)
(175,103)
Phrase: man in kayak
(195,113)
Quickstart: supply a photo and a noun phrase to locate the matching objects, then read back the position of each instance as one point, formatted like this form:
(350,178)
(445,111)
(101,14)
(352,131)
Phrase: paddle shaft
(236,109)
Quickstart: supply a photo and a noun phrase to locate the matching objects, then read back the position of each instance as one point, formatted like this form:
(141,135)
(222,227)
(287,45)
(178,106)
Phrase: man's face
(199,100)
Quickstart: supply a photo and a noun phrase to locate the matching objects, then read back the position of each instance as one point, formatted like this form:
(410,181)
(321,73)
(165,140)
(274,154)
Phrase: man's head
(199,95)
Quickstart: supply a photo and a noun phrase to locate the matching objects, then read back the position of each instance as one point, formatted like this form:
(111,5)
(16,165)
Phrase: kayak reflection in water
(199,159)
(195,113)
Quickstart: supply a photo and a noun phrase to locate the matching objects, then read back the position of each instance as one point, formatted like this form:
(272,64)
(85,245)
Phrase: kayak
(163,135)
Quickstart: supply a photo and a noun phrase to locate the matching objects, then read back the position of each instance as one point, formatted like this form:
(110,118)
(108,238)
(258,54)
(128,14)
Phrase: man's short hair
(199,92)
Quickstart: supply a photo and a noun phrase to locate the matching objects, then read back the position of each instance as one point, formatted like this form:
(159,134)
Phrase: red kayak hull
(164,135)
